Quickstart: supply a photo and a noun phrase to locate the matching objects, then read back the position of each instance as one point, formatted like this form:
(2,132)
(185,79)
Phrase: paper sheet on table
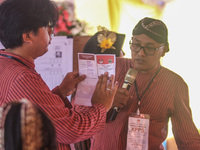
(92,66)
(57,62)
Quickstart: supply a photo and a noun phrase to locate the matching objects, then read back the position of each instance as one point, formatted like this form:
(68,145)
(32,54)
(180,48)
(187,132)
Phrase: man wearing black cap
(157,95)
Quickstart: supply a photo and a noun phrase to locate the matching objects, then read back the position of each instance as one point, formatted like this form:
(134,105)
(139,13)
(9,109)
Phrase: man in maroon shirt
(157,95)
(26,27)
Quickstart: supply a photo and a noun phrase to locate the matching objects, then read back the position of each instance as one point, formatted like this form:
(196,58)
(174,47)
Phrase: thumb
(71,92)
(79,79)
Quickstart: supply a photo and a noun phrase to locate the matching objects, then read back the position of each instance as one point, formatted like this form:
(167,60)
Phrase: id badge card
(138,132)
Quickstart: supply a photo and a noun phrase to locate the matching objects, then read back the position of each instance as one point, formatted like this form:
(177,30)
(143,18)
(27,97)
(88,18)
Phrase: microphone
(128,81)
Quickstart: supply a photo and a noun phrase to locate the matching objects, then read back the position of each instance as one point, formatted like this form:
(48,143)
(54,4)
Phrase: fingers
(122,91)
(121,98)
(102,82)
(71,92)
(72,74)
(80,78)
(119,105)
(98,85)
(114,89)
(110,82)
(126,92)
(105,84)
(101,94)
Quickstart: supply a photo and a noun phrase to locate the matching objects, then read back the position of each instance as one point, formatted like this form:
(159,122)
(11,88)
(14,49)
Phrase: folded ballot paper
(92,65)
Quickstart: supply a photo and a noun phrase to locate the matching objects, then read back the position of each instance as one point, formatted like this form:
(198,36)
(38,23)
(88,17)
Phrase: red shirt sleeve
(185,131)
(71,126)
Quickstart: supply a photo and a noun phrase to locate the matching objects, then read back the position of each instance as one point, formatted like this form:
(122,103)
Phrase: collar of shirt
(24,60)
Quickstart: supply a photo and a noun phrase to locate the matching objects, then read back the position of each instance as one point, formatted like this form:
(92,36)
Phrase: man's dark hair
(23,16)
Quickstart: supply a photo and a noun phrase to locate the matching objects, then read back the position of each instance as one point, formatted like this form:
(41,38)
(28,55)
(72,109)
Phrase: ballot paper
(92,65)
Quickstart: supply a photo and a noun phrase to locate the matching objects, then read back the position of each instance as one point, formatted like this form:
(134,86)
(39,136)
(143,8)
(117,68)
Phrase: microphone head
(130,75)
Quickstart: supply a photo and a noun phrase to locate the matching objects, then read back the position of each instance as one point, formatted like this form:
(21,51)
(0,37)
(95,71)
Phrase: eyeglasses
(147,50)
(51,26)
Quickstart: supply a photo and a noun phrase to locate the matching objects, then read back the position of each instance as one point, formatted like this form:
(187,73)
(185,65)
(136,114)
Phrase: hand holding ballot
(102,93)
(93,66)
(69,83)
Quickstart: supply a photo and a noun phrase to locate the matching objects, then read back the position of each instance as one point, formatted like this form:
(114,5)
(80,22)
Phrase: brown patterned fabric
(24,127)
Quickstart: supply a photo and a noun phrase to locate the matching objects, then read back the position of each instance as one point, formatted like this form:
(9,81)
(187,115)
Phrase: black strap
(11,57)
(136,88)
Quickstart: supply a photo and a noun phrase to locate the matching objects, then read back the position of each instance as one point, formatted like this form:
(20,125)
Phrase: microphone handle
(114,113)
(126,85)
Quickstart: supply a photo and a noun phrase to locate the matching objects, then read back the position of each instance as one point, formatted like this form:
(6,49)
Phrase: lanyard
(16,59)
(136,89)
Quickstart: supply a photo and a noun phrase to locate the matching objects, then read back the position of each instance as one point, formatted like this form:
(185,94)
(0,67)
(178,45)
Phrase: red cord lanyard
(136,89)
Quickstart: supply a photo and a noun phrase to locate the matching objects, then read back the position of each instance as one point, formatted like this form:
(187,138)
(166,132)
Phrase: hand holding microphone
(123,92)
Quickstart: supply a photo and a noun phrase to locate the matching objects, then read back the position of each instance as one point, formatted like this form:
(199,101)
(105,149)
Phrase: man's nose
(141,52)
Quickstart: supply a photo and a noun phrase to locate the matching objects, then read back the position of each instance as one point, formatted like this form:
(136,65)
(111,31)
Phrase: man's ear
(26,37)
(165,49)
(163,52)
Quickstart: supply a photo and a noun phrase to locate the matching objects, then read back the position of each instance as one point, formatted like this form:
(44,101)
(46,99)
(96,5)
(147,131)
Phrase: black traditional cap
(153,28)
(105,42)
